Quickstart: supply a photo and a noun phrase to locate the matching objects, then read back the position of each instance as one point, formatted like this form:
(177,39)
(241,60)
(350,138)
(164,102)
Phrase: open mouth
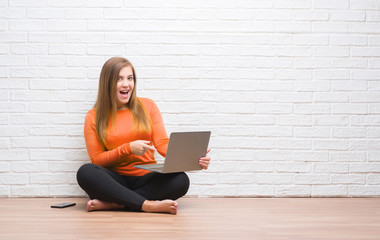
(124,93)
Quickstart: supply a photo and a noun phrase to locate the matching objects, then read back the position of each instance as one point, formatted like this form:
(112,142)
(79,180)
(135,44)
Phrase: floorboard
(197,218)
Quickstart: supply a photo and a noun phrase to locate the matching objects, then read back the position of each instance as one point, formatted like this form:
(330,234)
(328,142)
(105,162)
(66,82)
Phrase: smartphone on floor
(63,205)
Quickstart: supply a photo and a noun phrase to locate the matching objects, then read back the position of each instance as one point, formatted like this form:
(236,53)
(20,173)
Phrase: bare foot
(164,206)
(97,205)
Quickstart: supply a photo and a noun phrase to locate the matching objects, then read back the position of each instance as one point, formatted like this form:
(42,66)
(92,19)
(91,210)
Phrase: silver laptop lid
(185,149)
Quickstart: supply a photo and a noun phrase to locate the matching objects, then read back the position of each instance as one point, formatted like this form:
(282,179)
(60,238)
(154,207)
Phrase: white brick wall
(289,88)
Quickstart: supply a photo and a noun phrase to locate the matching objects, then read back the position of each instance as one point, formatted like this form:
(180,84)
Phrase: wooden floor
(197,218)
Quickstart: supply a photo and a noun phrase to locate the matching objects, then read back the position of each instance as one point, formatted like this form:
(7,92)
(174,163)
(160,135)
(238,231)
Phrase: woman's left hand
(205,161)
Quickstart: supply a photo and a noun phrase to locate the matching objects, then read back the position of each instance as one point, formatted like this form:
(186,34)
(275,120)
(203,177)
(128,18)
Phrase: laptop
(184,151)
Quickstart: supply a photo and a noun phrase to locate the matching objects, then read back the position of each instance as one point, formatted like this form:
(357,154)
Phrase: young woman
(122,131)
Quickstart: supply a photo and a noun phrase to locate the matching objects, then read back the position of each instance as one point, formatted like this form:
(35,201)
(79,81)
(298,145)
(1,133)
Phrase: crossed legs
(152,192)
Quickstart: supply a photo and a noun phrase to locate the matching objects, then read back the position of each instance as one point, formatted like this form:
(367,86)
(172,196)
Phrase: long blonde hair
(106,103)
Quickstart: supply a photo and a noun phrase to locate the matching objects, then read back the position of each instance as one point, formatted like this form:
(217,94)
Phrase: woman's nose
(124,83)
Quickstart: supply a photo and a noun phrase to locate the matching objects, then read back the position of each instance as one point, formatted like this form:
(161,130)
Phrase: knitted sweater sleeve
(97,152)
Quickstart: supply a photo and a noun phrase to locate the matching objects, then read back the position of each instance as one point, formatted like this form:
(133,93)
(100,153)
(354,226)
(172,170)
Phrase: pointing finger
(149,147)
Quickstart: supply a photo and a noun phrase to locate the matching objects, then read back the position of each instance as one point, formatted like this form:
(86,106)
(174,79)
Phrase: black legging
(131,191)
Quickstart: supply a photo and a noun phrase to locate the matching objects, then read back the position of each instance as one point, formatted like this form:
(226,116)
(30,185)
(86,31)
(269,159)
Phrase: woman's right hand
(139,147)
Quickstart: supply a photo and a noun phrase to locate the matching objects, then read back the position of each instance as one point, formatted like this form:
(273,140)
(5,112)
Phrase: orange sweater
(117,154)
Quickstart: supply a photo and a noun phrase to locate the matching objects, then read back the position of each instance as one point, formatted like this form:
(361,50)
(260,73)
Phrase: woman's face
(124,87)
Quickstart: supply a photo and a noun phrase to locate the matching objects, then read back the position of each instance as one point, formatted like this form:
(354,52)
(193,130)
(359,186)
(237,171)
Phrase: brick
(330,121)
(293,121)
(335,97)
(329,191)
(13,37)
(348,16)
(66,25)
(29,167)
(292,4)
(12,13)
(68,166)
(273,108)
(13,131)
(85,37)
(5,191)
(326,4)
(49,178)
(26,49)
(105,25)
(365,74)
(72,3)
(374,86)
(46,13)
(330,145)
(329,74)
(275,132)
(311,156)
(30,191)
(47,107)
(293,27)
(310,15)
(331,168)
(84,13)
(314,40)
(365,168)
(312,86)
(271,15)
(364,5)
(292,191)
(295,51)
(48,37)
(13,178)
(365,97)
(48,61)
(349,109)
(373,179)
(347,179)
(293,144)
(294,75)
(363,191)
(72,190)
(310,63)
(321,132)
(314,179)
(29,25)
(312,110)
(349,132)
(348,40)
(374,63)
(29,72)
(372,16)
(331,51)
(294,167)
(13,155)
(26,3)
(12,107)
(329,27)
(28,142)
(274,155)
(99,3)
(282,86)
(4,167)
(271,178)
(120,13)
(67,142)
(365,120)
(365,51)
(373,108)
